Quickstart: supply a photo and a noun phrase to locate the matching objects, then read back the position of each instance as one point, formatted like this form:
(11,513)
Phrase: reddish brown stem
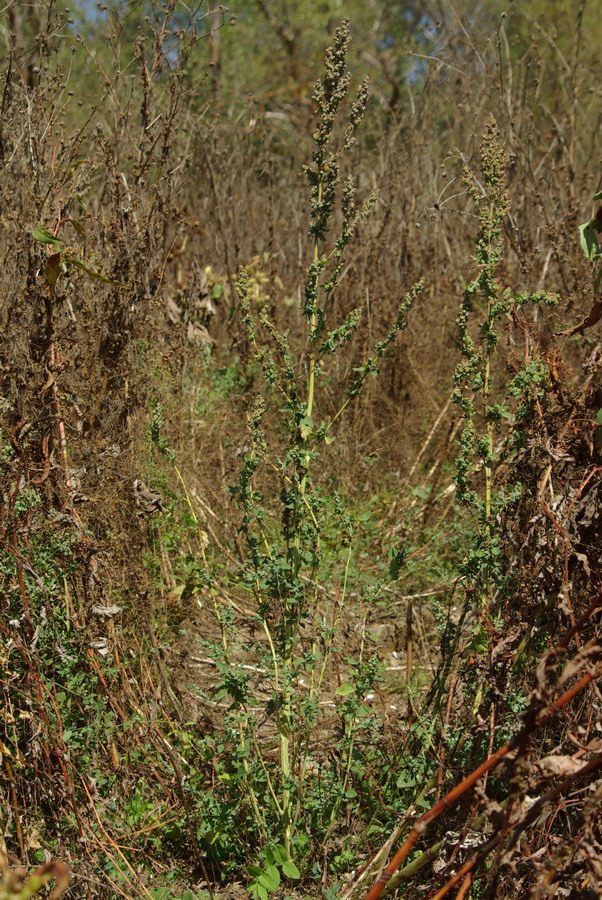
(518,827)
(421,824)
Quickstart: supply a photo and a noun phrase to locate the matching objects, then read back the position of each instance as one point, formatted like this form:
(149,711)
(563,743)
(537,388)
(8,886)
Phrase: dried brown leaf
(557,766)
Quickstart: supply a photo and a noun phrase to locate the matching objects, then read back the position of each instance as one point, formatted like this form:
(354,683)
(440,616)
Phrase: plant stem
(486,594)
(292,619)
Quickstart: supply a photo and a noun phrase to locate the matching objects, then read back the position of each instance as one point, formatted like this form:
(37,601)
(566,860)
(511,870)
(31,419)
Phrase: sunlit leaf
(270,879)
(589,240)
(290,869)
(44,236)
(306,426)
(279,852)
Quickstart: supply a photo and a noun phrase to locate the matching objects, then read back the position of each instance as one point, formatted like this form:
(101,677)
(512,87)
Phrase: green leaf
(589,240)
(257,891)
(77,225)
(306,426)
(279,852)
(268,855)
(270,878)
(80,265)
(479,642)
(397,558)
(44,236)
(345,689)
(290,869)
(216,291)
(598,196)
(329,439)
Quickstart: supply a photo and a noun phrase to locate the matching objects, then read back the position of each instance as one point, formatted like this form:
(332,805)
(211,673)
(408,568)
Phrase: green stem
(486,594)
(251,793)
(292,619)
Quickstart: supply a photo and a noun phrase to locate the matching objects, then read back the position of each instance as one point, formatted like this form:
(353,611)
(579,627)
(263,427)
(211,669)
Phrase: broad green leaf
(216,291)
(44,236)
(279,852)
(270,879)
(329,439)
(345,689)
(257,891)
(290,869)
(273,873)
(589,240)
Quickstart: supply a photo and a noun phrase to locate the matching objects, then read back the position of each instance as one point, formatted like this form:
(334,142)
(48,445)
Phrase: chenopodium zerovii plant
(492,419)
(285,564)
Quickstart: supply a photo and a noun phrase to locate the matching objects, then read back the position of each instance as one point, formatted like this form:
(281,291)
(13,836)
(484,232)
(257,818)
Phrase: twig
(421,824)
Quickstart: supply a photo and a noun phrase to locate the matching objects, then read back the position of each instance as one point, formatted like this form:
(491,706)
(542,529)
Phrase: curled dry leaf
(148,501)
(587,653)
(106,611)
(557,766)
(100,645)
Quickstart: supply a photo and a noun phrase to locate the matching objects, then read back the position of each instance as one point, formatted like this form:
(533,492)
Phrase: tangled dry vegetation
(241,657)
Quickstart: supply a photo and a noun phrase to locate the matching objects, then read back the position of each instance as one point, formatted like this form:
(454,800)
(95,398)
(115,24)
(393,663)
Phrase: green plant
(297,538)
(487,413)
(265,877)
(64,255)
